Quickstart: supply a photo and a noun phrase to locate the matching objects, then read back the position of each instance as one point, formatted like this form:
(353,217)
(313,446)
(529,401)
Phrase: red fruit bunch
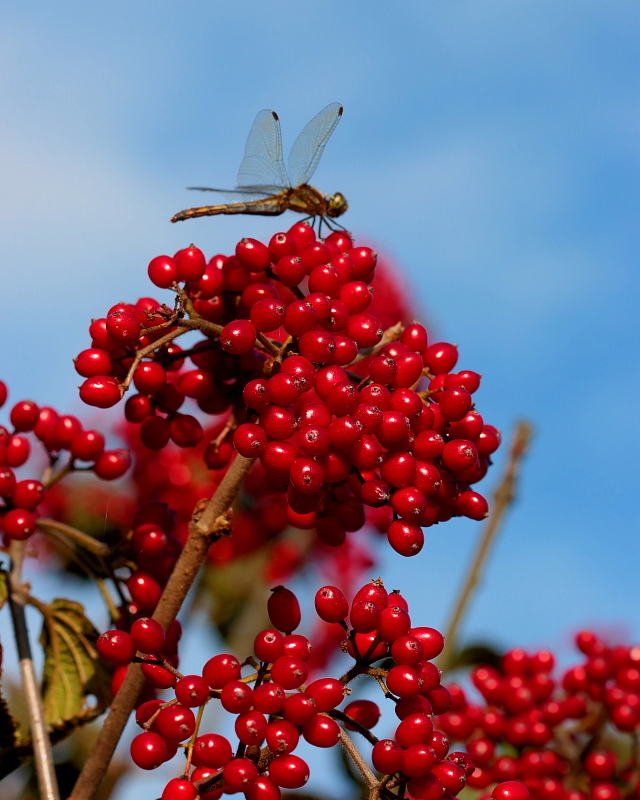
(570,737)
(60,435)
(345,417)
(149,551)
(276,705)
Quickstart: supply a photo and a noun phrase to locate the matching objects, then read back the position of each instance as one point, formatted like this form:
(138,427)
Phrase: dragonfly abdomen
(269,207)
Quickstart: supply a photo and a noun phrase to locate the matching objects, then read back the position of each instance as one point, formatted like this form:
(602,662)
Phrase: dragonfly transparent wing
(247,193)
(308,147)
(262,167)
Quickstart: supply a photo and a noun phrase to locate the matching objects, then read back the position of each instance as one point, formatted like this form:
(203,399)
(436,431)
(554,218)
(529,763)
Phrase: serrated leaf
(73,671)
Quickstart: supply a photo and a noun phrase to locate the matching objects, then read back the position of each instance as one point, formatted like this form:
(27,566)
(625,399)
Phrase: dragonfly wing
(308,147)
(248,192)
(263,164)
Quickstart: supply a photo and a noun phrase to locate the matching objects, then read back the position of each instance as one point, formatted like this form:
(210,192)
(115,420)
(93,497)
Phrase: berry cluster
(343,415)
(150,551)
(58,433)
(275,705)
(554,735)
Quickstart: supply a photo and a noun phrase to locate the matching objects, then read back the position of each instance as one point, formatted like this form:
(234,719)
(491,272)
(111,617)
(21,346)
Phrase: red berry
(406,538)
(283,609)
(116,647)
(240,774)
(441,357)
(163,271)
(91,362)
(236,697)
(331,604)
(282,736)
(190,263)
(269,698)
(251,727)
(322,731)
(431,639)
(386,756)
(289,672)
(176,722)
(179,789)
(289,771)
(510,790)
(148,635)
(238,337)
(221,669)
(148,750)
(213,750)
(101,391)
(192,691)
(327,692)
(366,712)
(472,505)
(459,454)
(253,254)
(87,445)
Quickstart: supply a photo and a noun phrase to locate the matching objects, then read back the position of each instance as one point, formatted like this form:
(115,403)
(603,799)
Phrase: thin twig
(43,757)
(201,535)
(503,497)
(358,759)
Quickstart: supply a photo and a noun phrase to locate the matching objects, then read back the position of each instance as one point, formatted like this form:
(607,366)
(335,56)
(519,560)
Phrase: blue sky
(491,148)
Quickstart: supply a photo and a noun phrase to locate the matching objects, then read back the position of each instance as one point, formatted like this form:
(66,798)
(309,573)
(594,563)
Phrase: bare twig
(503,497)
(202,533)
(358,759)
(43,757)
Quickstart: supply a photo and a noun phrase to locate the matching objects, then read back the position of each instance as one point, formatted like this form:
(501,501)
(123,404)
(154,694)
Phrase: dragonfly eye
(337,205)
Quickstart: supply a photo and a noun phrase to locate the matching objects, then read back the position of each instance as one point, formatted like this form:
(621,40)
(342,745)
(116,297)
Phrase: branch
(201,535)
(351,748)
(503,497)
(47,782)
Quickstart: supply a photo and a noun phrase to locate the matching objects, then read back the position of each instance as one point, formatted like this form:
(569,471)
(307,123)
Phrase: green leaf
(73,670)
(4,588)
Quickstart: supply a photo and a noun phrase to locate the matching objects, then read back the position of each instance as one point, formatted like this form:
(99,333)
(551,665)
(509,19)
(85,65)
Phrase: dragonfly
(264,184)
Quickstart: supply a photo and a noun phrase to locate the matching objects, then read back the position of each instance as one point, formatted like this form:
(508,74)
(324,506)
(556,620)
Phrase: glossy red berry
(240,774)
(148,750)
(191,264)
(176,722)
(365,712)
(148,635)
(331,604)
(100,391)
(116,647)
(221,669)
(289,771)
(192,691)
(510,790)
(213,750)
(386,756)
(238,337)
(322,731)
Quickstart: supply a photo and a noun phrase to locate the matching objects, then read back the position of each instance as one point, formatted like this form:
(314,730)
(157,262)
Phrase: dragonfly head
(337,205)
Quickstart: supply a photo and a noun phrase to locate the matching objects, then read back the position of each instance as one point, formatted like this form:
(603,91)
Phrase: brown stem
(201,535)
(45,770)
(503,497)
(358,759)
(146,351)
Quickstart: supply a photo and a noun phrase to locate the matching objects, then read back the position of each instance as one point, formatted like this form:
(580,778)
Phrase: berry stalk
(504,496)
(202,535)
